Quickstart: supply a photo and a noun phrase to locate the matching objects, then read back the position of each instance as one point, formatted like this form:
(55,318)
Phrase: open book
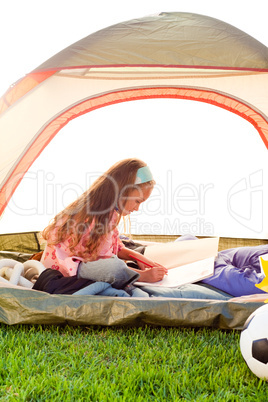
(187,261)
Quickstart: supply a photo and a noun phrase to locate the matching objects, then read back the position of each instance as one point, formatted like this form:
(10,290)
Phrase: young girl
(83,240)
(85,234)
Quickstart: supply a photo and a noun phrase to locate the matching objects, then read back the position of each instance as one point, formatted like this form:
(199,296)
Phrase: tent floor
(27,306)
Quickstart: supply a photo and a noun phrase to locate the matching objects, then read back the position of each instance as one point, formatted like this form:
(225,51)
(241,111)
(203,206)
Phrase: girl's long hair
(94,207)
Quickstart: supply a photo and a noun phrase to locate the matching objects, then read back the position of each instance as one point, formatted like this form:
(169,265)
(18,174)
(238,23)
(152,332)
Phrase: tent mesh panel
(30,242)
(224,243)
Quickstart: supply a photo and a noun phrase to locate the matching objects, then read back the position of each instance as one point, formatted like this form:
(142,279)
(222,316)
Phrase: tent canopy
(170,55)
(166,40)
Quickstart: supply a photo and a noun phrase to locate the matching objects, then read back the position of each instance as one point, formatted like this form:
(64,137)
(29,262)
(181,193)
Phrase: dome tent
(170,55)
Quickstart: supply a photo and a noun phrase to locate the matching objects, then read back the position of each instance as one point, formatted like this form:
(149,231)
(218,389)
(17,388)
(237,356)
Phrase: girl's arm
(128,254)
(155,273)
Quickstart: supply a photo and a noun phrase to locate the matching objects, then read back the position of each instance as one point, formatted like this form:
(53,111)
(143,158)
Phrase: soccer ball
(254,342)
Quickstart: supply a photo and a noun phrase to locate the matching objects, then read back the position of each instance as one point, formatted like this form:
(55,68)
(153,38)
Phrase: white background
(207,183)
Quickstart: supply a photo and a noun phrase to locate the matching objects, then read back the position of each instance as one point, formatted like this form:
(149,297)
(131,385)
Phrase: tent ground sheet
(26,306)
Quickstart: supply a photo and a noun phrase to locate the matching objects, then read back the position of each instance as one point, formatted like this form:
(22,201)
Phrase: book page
(175,254)
(188,273)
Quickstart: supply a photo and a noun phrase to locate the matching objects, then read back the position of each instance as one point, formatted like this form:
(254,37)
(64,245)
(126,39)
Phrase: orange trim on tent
(205,67)
(22,87)
(53,127)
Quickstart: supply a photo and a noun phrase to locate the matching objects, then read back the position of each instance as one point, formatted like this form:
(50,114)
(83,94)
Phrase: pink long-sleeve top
(60,257)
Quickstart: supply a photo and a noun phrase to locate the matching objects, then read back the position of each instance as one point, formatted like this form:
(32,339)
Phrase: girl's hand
(154,274)
(148,263)
(142,265)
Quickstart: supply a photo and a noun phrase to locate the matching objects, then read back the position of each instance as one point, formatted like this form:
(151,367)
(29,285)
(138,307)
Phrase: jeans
(188,291)
(110,270)
(113,271)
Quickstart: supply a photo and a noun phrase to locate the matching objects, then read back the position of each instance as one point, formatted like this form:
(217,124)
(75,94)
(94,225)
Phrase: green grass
(62,363)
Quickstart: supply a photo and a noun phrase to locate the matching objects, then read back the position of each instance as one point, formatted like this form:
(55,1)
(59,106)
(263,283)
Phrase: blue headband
(143,175)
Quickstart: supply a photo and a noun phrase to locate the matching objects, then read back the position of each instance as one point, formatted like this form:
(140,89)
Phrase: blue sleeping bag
(237,270)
